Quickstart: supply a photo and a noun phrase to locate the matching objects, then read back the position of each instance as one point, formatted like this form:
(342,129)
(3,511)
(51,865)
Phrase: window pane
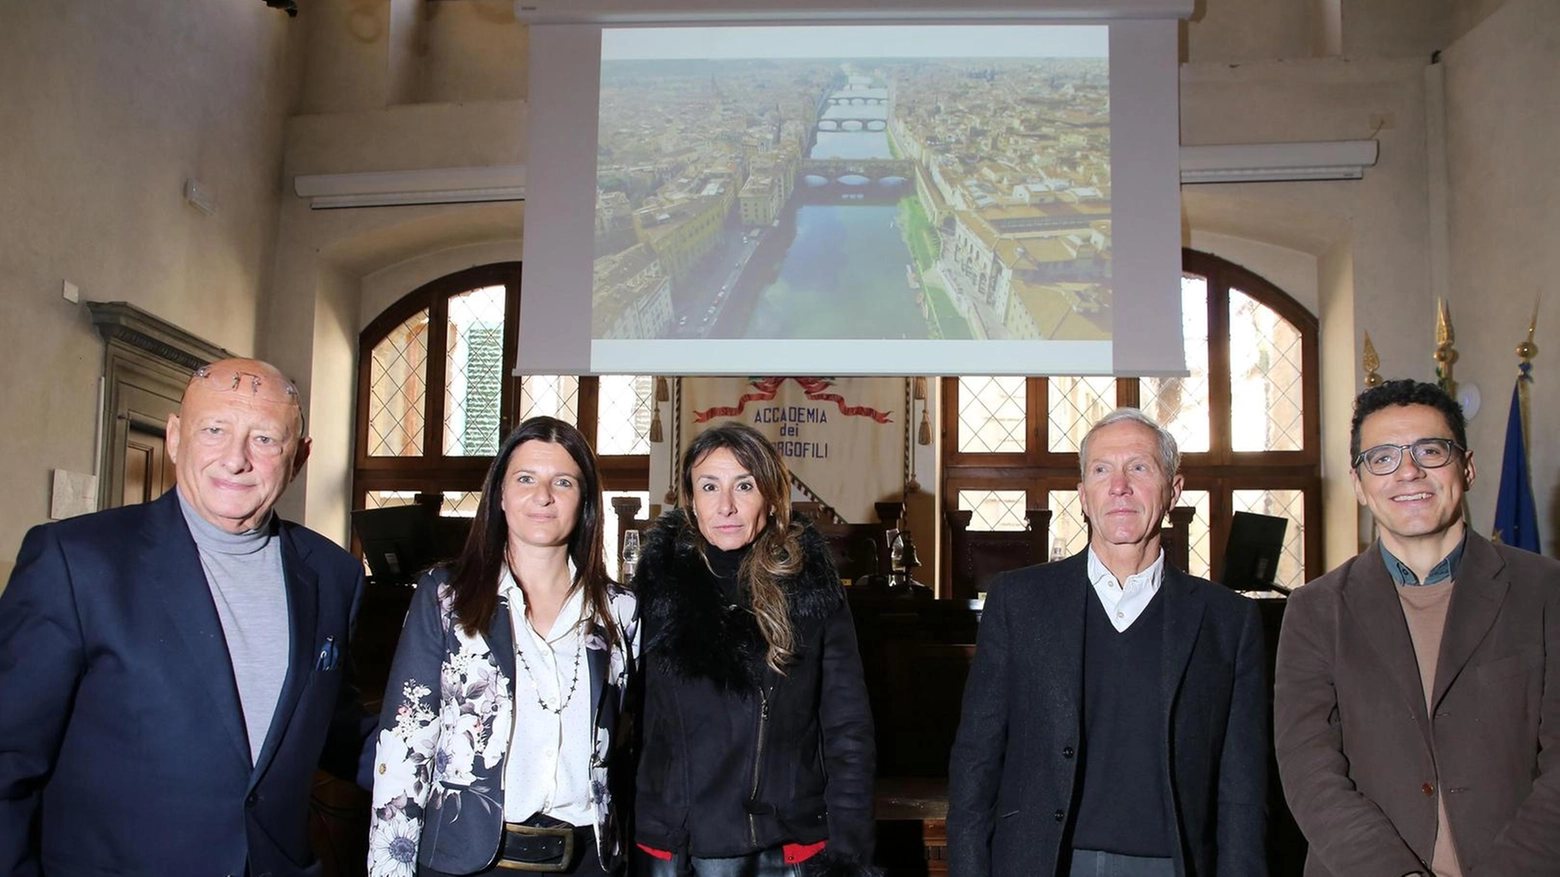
(474,372)
(398,390)
(460,504)
(1265,385)
(1284,504)
(994,509)
(381,499)
(1180,405)
(991,415)
(553,395)
(1075,404)
(610,534)
(624,406)
(456,504)
(1069,532)
(1200,551)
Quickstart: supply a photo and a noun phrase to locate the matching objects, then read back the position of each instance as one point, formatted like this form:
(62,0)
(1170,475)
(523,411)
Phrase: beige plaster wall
(475,50)
(373,54)
(1341,379)
(1253,30)
(1503,121)
(1395,28)
(108,108)
(346,56)
(1293,271)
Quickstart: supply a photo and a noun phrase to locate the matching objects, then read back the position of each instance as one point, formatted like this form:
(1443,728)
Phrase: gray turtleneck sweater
(244,572)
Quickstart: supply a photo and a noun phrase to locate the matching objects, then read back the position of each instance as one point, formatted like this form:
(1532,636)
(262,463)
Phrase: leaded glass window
(1244,417)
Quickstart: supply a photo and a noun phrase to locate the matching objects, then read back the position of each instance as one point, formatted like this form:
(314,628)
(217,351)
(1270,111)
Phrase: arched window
(437,393)
(1246,418)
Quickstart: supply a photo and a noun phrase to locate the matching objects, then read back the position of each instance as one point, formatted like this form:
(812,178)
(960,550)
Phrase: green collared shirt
(1442,571)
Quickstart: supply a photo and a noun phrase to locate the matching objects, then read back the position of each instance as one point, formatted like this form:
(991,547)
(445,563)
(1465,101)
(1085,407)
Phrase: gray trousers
(1092,863)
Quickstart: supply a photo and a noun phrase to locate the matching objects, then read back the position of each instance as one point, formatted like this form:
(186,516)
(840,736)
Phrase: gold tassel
(923,436)
(920,389)
(662,394)
(655,427)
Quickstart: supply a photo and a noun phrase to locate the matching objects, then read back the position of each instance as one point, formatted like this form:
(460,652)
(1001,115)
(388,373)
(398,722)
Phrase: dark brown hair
(776,551)
(475,574)
(1406,392)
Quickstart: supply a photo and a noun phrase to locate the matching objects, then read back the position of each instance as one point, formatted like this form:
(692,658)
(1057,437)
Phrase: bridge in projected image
(862,97)
(875,169)
(842,123)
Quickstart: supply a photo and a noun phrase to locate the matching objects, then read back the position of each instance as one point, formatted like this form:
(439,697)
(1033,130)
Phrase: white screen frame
(555,328)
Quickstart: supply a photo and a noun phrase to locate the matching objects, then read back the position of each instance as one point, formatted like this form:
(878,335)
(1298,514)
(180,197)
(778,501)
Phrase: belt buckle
(564,860)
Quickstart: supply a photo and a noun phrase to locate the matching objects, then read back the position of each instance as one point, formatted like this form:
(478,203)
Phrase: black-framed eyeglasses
(1428,453)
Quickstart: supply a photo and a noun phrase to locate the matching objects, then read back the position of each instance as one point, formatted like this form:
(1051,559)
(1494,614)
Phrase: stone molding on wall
(127,325)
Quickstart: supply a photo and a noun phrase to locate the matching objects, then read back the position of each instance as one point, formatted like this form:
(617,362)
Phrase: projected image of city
(854,183)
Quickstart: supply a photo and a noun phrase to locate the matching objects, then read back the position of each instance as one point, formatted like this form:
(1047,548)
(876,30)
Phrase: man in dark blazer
(1115,718)
(1417,698)
(170,672)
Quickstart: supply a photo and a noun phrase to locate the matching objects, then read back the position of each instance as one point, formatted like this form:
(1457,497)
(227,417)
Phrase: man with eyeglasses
(172,674)
(1417,696)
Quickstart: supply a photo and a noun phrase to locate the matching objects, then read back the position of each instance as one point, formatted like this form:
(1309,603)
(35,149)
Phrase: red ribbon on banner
(767,388)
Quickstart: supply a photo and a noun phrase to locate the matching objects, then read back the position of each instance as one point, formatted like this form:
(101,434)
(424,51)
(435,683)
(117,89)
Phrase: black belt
(542,843)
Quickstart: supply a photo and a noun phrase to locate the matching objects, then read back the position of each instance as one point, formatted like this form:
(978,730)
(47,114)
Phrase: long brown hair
(475,574)
(776,551)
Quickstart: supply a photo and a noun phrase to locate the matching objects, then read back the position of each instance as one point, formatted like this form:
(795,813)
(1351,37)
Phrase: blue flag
(1516,518)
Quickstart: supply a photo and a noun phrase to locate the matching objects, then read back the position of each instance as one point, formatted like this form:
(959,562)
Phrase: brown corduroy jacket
(1364,762)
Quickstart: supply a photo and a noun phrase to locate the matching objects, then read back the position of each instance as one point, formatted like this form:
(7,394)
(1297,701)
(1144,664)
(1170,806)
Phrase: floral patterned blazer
(445,732)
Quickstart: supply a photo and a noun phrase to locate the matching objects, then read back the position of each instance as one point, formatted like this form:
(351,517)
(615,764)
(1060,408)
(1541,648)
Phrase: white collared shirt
(547,769)
(1125,602)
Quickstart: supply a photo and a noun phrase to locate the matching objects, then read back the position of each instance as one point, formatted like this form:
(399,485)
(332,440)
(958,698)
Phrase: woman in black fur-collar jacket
(756,755)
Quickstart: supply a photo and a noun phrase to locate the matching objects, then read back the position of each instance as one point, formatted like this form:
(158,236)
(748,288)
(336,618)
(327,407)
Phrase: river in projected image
(842,272)
(840,279)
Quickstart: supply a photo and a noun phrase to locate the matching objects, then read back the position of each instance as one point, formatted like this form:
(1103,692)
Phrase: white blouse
(548,766)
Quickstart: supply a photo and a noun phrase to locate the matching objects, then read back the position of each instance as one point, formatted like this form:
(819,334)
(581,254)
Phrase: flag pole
(1525,352)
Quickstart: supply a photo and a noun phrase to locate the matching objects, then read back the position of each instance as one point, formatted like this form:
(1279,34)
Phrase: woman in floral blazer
(470,736)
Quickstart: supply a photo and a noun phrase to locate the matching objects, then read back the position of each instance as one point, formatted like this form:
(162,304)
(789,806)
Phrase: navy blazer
(123,748)
(1012,782)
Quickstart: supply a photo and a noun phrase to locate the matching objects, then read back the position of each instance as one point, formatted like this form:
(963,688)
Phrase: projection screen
(913,198)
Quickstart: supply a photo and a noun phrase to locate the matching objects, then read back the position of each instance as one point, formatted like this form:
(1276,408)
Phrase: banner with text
(844,438)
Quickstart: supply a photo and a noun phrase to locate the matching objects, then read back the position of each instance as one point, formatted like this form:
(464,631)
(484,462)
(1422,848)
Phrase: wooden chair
(859,550)
(1175,537)
(979,555)
(626,508)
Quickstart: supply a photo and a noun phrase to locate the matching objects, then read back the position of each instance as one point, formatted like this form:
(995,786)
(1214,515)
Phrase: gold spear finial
(1371,362)
(1527,349)
(1445,354)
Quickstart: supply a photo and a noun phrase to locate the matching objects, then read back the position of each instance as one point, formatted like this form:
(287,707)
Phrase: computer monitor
(398,542)
(1252,552)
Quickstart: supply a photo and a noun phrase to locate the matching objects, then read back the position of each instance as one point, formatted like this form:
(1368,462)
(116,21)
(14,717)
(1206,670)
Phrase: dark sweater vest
(1123,802)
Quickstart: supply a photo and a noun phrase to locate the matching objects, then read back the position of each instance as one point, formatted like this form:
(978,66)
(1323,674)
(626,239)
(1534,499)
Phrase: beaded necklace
(579,649)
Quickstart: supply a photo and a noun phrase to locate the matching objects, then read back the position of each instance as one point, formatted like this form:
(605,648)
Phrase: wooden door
(148,472)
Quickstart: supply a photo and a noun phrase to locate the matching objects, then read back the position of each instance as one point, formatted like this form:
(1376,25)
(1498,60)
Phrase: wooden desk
(912,826)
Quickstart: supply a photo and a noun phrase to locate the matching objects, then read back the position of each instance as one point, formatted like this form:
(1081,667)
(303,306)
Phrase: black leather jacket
(735,757)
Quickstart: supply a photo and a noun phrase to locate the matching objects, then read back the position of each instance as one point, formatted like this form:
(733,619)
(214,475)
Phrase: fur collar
(688,624)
